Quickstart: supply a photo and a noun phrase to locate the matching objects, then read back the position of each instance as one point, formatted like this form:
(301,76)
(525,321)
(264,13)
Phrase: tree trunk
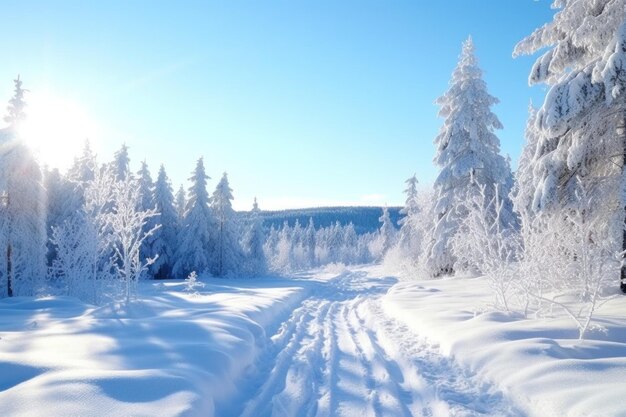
(621,132)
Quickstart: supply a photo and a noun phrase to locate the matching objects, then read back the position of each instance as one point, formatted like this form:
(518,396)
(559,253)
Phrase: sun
(56,128)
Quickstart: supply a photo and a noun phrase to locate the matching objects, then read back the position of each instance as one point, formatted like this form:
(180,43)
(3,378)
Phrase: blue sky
(303,102)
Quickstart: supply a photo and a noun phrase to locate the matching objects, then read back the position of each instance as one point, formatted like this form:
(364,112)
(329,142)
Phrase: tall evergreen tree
(228,254)
(23,206)
(409,211)
(17,104)
(467,154)
(253,242)
(62,204)
(583,118)
(121,163)
(165,238)
(310,243)
(180,202)
(387,232)
(195,242)
(146,203)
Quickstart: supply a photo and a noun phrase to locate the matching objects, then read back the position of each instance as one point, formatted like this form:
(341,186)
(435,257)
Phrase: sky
(303,103)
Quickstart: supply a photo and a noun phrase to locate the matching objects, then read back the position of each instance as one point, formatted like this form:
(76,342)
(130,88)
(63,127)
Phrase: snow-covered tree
(228,253)
(146,203)
(525,181)
(121,163)
(23,208)
(127,222)
(17,104)
(253,241)
(309,244)
(84,166)
(196,236)
(468,155)
(62,204)
(165,238)
(583,118)
(387,233)
(409,238)
(180,202)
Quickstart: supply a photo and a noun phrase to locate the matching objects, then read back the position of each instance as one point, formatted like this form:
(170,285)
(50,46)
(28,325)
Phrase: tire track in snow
(338,355)
(286,343)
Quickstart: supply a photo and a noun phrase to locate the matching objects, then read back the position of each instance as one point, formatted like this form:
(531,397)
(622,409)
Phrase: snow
(539,364)
(336,341)
(169,353)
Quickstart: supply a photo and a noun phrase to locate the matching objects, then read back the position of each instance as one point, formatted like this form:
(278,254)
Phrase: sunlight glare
(56,129)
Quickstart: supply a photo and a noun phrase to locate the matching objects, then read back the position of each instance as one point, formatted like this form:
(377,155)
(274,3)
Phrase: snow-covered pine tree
(165,238)
(121,163)
(62,204)
(84,166)
(468,154)
(17,104)
(196,235)
(180,202)
(23,205)
(146,203)
(408,233)
(350,245)
(523,191)
(387,233)
(228,253)
(583,117)
(253,242)
(310,244)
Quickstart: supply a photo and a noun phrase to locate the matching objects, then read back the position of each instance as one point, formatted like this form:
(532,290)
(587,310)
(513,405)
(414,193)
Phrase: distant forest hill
(365,219)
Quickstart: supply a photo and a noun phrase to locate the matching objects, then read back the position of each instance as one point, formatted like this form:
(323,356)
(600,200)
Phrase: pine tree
(410,210)
(310,244)
(467,154)
(165,238)
(17,104)
(121,163)
(387,232)
(180,202)
(61,204)
(84,166)
(23,207)
(196,236)
(253,242)
(582,121)
(228,253)
(523,192)
(147,203)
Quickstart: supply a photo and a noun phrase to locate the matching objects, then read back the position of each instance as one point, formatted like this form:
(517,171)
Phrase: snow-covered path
(339,355)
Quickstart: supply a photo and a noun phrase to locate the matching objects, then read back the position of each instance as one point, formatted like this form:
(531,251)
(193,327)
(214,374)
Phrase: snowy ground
(538,364)
(328,343)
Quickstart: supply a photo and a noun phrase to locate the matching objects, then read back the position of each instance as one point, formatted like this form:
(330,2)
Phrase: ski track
(338,355)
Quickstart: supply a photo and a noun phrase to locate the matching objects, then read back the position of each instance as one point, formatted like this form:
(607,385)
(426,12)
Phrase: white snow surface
(170,353)
(538,364)
(332,342)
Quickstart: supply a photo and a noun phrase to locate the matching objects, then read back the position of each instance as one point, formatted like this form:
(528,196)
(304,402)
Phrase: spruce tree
(228,254)
(147,203)
(165,238)
(253,242)
(582,121)
(195,242)
(468,155)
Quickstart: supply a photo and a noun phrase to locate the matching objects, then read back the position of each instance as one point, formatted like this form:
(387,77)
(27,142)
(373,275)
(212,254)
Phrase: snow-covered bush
(192,284)
(569,262)
(485,244)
